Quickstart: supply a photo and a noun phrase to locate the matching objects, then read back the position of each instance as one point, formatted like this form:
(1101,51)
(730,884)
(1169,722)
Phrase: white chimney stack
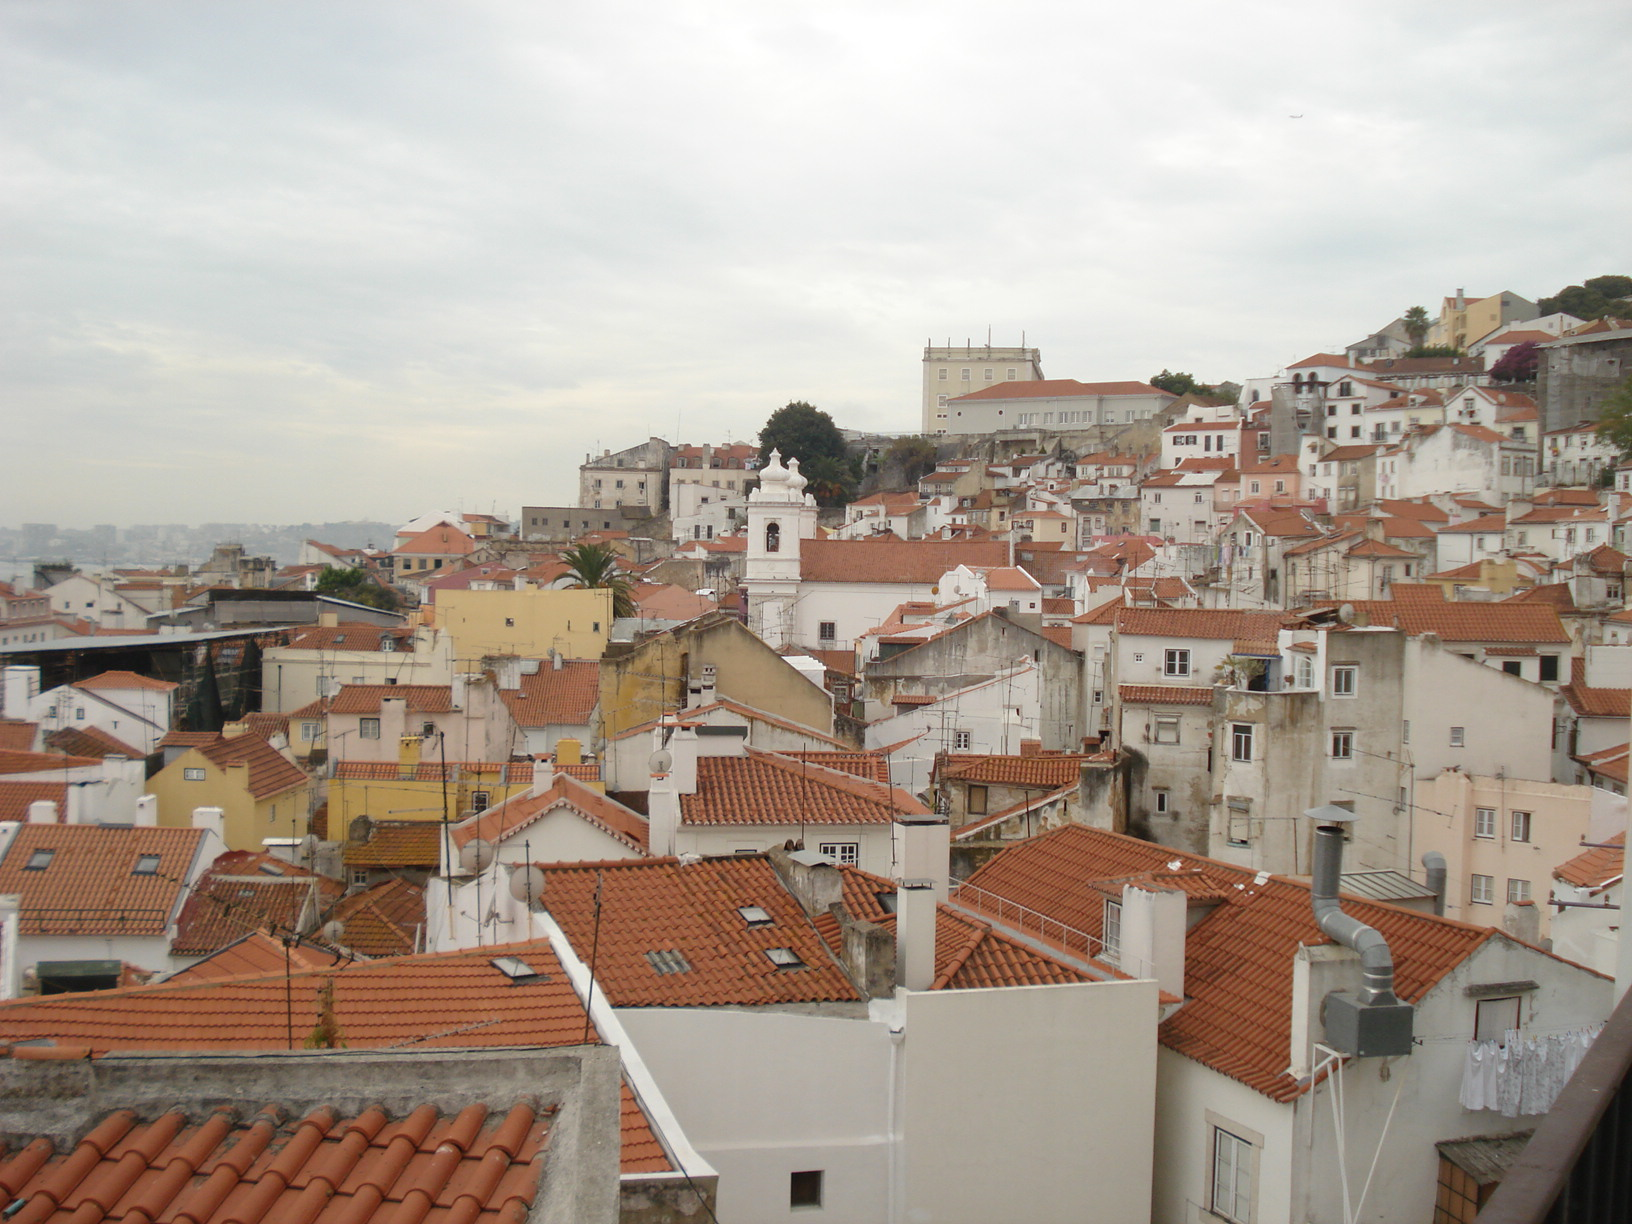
(42,811)
(543,775)
(1153,927)
(213,819)
(922,850)
(147,812)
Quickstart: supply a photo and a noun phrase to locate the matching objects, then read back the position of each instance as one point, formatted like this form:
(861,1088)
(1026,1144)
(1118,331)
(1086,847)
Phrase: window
(827,630)
(1513,667)
(1482,890)
(1011,374)
(1484,822)
(1111,932)
(773,537)
(845,853)
(990,374)
(1458,737)
(941,373)
(1518,890)
(39,860)
(977,801)
(1176,663)
(784,958)
(1521,826)
(359,877)
(146,864)
(308,730)
(1405,731)
(1494,1018)
(192,775)
(1549,668)
(1167,729)
(1232,1176)
(1306,672)
(1342,745)
(368,728)
(754,915)
(1345,679)
(960,741)
(481,800)
(805,1187)
(966,375)
(1241,741)
(1163,800)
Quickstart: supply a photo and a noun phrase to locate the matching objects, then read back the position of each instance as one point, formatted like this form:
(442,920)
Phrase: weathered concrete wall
(1573,380)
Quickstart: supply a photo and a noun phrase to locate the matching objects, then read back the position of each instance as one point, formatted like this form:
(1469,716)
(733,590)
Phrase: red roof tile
(12,763)
(898,561)
(90,883)
(1219,623)
(351,635)
(242,892)
(90,742)
(17,735)
(270,772)
(126,680)
(506,819)
(255,955)
(1238,966)
(1164,694)
(398,843)
(366,698)
(1598,867)
(556,697)
(16,796)
(768,788)
(1045,771)
(386,920)
(1415,611)
(500,773)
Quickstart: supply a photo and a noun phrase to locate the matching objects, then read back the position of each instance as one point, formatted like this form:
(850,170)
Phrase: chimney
(543,775)
(212,819)
(922,851)
(509,670)
(11,970)
(700,690)
(1031,747)
(328,620)
(42,811)
(555,659)
(1433,863)
(233,730)
(1154,922)
(1372,1022)
(569,751)
(147,812)
(673,774)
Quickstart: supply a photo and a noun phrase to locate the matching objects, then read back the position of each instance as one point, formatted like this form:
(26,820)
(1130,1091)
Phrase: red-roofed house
(317,660)
(134,709)
(256,791)
(1588,931)
(1458,458)
(1244,1100)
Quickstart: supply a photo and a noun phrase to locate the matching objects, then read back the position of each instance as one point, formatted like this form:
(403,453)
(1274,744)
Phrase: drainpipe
(1433,863)
(1376,962)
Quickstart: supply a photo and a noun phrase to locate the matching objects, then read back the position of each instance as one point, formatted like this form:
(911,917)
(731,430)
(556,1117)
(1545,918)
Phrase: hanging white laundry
(1523,1073)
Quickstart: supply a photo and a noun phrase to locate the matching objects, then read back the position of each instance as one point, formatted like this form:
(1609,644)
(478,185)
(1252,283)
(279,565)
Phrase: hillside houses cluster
(1047,789)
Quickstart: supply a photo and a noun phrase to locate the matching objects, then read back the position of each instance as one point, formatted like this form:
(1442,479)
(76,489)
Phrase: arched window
(773,537)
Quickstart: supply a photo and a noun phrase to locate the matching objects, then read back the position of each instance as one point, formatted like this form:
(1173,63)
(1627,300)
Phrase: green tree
(1615,418)
(1598,297)
(1179,383)
(916,456)
(595,566)
(1433,350)
(356,585)
(1417,324)
(804,432)
(1518,364)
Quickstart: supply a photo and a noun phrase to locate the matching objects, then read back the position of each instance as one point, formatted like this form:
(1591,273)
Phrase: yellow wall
(648,681)
(578,624)
(413,799)
(246,821)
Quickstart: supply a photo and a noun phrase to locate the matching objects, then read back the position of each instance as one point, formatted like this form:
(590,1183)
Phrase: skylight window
(667,961)
(516,969)
(269,869)
(39,860)
(784,958)
(755,916)
(146,864)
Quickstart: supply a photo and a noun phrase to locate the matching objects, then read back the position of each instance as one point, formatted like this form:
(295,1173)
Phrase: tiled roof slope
(90,885)
(366,698)
(398,843)
(768,788)
(1199,623)
(17,735)
(873,766)
(271,1166)
(913,561)
(1414,610)
(15,798)
(385,920)
(40,762)
(1589,701)
(1595,868)
(519,811)
(661,906)
(244,891)
(349,635)
(549,697)
(270,772)
(125,680)
(1238,959)
(90,742)
(1048,771)
(1164,694)
(255,955)
(508,773)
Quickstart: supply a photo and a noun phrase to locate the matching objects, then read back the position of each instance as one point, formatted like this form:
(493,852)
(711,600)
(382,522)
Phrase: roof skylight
(784,958)
(666,961)
(755,916)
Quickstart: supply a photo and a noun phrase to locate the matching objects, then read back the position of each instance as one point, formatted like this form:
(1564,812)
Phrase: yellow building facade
(576,624)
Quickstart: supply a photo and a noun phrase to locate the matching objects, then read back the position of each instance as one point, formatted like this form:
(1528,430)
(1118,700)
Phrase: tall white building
(951,372)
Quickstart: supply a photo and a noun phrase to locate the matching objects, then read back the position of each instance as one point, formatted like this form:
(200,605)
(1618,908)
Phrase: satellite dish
(1346,614)
(477,855)
(333,931)
(527,885)
(662,761)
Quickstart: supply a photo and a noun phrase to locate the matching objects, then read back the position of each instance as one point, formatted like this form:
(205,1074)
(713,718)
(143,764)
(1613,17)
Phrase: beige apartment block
(950,372)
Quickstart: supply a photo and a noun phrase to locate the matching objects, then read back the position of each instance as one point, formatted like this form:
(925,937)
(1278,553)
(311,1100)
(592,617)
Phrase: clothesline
(1524,1072)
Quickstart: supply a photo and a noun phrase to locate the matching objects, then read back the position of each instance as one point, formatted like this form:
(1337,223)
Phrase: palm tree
(595,566)
(1416,325)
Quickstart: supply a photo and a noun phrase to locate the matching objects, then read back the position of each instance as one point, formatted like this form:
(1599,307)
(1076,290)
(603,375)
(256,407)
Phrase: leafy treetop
(1615,418)
(1597,297)
(1417,324)
(357,586)
(804,432)
(1518,364)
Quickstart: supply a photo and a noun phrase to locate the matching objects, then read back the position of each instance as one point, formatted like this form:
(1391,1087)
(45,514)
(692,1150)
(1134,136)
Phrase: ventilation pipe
(1434,864)
(1373,1023)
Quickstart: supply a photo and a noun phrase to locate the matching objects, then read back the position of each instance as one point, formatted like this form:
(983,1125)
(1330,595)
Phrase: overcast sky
(299,261)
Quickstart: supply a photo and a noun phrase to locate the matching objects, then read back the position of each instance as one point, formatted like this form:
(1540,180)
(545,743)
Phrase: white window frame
(1484,822)
(1459,737)
(1163,798)
(844,853)
(1518,891)
(192,775)
(1519,826)
(1345,680)
(1482,890)
(1242,733)
(368,728)
(1233,1168)
(1164,725)
(1176,662)
(1342,745)
(1110,932)
(961,741)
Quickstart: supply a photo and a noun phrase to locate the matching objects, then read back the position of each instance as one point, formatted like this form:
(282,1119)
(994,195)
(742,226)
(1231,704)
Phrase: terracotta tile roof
(1010,578)
(1596,868)
(397,843)
(500,773)
(1485,524)
(1105,614)
(551,697)
(899,561)
(1164,694)
(270,772)
(266,724)
(768,788)
(1377,548)
(255,955)
(351,635)
(438,541)
(1414,612)
(506,819)
(366,698)
(1238,958)
(244,891)
(91,885)
(1589,701)
(12,763)
(272,1165)
(126,680)
(90,742)
(17,735)
(1060,635)
(186,739)
(1324,359)
(386,920)
(16,796)
(1219,623)
(1606,762)
(1554,594)
(1046,771)
(657,906)
(873,766)
(1342,453)
(1274,521)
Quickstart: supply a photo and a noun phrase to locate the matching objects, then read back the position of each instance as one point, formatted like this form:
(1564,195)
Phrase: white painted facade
(140,717)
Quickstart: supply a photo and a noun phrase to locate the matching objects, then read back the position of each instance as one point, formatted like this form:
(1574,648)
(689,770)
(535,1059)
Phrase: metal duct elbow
(1434,864)
(1376,962)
